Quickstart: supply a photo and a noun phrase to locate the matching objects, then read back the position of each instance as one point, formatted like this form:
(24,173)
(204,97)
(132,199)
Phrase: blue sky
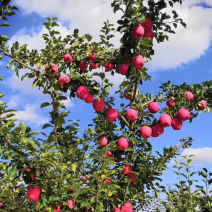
(185,58)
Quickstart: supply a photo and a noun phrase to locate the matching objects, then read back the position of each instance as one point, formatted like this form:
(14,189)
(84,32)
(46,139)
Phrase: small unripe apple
(189,95)
(93,65)
(123,144)
(63,80)
(170,103)
(117,210)
(109,154)
(89,99)
(108,181)
(153,107)
(111,114)
(138,32)
(123,69)
(109,66)
(146,132)
(127,169)
(138,62)
(203,106)
(54,68)
(132,178)
(158,129)
(33,193)
(84,178)
(177,124)
(92,57)
(27,169)
(126,95)
(83,66)
(98,105)
(82,92)
(68,58)
(183,114)
(127,207)
(154,133)
(147,24)
(165,120)
(149,34)
(102,141)
(132,115)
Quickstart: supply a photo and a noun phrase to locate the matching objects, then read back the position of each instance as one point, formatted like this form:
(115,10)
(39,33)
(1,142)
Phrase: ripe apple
(138,32)
(189,95)
(149,34)
(82,92)
(203,106)
(33,193)
(177,124)
(1,203)
(109,154)
(126,95)
(153,107)
(68,58)
(147,24)
(63,80)
(165,120)
(154,133)
(54,68)
(92,57)
(71,204)
(123,144)
(102,141)
(109,66)
(158,129)
(127,207)
(89,99)
(57,210)
(108,181)
(132,178)
(183,114)
(83,66)
(98,105)
(138,62)
(71,189)
(170,103)
(87,208)
(127,169)
(146,132)
(117,210)
(84,178)
(132,115)
(111,114)
(33,178)
(123,69)
(27,169)
(93,65)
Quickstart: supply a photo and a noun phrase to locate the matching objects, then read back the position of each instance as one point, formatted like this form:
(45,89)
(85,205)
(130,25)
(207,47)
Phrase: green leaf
(3,38)
(2,103)
(1,95)
(4,24)
(45,104)
(6,192)
(13,173)
(46,125)
(12,7)
(9,13)
(48,19)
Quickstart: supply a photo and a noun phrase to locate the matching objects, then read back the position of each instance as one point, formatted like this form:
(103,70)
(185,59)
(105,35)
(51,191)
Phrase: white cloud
(15,101)
(68,103)
(201,156)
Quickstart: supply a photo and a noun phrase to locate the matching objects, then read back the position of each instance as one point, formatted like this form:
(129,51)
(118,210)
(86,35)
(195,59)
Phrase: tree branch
(146,103)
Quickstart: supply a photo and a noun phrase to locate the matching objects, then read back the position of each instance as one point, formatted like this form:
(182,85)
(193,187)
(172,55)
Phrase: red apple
(123,69)
(71,204)
(149,34)
(98,105)
(83,66)
(33,193)
(57,210)
(165,120)
(127,169)
(111,114)
(84,178)
(82,92)
(153,107)
(63,80)
(183,114)
(126,95)
(102,141)
(127,207)
(138,62)
(109,154)
(109,66)
(92,57)
(68,58)
(170,103)
(146,132)
(203,106)
(71,189)
(138,32)
(177,124)
(54,68)
(123,144)
(27,169)
(154,133)
(93,65)
(89,99)
(1,203)
(87,208)
(33,178)
(108,181)
(189,95)
(147,24)
(117,210)
(132,178)
(132,115)
(158,129)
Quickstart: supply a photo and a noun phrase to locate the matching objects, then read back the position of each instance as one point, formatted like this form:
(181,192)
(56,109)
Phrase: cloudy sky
(186,57)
